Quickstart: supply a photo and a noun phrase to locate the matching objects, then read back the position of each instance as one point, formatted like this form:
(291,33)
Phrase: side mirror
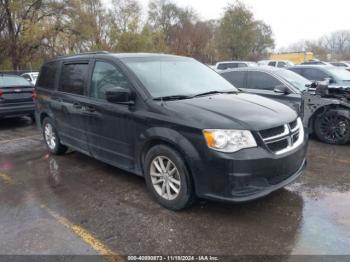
(118,95)
(281,89)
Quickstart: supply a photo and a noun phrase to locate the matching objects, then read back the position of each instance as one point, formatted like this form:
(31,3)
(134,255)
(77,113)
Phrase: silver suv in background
(275,63)
(225,65)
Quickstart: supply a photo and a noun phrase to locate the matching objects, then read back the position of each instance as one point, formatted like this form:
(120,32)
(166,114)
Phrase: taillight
(348,69)
(34,94)
(1,92)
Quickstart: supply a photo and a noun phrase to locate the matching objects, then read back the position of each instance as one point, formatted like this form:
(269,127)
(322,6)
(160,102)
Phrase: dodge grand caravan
(173,120)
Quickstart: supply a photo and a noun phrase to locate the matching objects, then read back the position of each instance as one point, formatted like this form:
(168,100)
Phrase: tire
(52,139)
(180,178)
(332,128)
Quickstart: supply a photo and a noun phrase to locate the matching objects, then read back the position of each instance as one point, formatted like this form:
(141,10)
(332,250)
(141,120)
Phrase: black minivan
(173,120)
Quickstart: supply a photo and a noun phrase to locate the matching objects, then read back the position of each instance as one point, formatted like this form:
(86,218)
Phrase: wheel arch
(341,109)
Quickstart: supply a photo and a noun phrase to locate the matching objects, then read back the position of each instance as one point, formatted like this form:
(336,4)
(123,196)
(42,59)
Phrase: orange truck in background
(295,57)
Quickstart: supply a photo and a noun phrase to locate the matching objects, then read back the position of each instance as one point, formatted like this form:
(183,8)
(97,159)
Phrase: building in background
(295,57)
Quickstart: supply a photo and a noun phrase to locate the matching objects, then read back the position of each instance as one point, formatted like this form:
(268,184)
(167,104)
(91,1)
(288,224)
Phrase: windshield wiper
(215,92)
(169,98)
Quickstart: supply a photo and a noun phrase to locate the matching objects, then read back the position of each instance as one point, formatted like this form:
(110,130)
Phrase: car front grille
(283,139)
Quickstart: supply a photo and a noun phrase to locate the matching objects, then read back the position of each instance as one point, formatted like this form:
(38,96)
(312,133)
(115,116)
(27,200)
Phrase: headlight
(229,141)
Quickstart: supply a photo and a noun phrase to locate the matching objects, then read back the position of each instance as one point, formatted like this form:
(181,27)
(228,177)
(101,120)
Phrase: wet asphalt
(312,216)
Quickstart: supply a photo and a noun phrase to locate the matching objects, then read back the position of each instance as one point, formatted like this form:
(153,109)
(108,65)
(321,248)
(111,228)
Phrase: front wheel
(168,179)
(333,128)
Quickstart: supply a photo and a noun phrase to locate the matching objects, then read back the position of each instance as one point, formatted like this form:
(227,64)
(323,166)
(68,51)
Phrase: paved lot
(74,204)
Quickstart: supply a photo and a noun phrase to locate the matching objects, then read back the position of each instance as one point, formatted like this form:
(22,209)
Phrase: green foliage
(240,36)
(34,30)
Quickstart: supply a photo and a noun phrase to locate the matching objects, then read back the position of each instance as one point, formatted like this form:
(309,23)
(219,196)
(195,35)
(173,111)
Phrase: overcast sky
(291,20)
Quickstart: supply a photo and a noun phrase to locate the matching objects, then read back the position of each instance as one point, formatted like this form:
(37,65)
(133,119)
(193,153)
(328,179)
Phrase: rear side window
(235,78)
(48,75)
(314,74)
(242,65)
(260,80)
(72,78)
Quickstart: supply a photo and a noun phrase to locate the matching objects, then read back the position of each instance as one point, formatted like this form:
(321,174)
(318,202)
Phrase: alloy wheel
(165,178)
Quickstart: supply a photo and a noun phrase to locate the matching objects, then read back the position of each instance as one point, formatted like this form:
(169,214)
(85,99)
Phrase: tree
(240,36)
(24,24)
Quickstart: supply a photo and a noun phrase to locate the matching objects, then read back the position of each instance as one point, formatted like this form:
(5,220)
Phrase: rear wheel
(333,128)
(52,139)
(168,179)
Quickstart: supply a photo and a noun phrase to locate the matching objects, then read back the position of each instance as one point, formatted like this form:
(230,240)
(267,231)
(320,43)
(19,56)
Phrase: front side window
(73,78)
(106,76)
(314,74)
(260,80)
(177,76)
(48,75)
(272,64)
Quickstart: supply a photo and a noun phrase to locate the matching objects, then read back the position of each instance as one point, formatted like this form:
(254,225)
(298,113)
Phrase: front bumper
(248,174)
(16,110)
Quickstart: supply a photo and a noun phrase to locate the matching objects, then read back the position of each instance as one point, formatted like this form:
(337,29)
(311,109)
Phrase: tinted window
(235,78)
(242,65)
(6,81)
(314,74)
(106,76)
(73,78)
(48,75)
(260,80)
(296,70)
(272,64)
(225,66)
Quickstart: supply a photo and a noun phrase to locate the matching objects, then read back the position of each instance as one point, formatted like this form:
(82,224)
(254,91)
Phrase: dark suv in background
(16,97)
(174,121)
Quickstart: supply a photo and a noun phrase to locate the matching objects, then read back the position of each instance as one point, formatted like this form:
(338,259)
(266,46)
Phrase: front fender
(166,135)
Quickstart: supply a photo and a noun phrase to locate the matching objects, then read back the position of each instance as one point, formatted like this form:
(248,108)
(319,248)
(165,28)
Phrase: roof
(254,68)
(116,55)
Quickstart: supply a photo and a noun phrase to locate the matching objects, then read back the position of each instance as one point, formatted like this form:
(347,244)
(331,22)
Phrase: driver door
(110,126)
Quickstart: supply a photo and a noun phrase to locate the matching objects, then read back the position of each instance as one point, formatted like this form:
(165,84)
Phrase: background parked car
(337,76)
(15,96)
(224,65)
(345,65)
(327,114)
(315,62)
(275,63)
(31,77)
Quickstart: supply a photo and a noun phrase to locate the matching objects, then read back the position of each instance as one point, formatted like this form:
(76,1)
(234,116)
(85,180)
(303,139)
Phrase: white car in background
(225,65)
(275,63)
(31,77)
(344,64)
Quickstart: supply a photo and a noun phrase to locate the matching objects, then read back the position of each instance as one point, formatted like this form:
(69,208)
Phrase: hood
(235,111)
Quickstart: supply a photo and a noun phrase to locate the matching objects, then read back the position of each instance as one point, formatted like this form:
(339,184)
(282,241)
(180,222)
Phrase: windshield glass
(296,80)
(6,81)
(340,73)
(175,77)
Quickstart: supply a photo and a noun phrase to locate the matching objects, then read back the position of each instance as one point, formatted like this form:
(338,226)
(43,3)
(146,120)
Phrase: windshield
(6,81)
(340,73)
(177,77)
(294,79)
